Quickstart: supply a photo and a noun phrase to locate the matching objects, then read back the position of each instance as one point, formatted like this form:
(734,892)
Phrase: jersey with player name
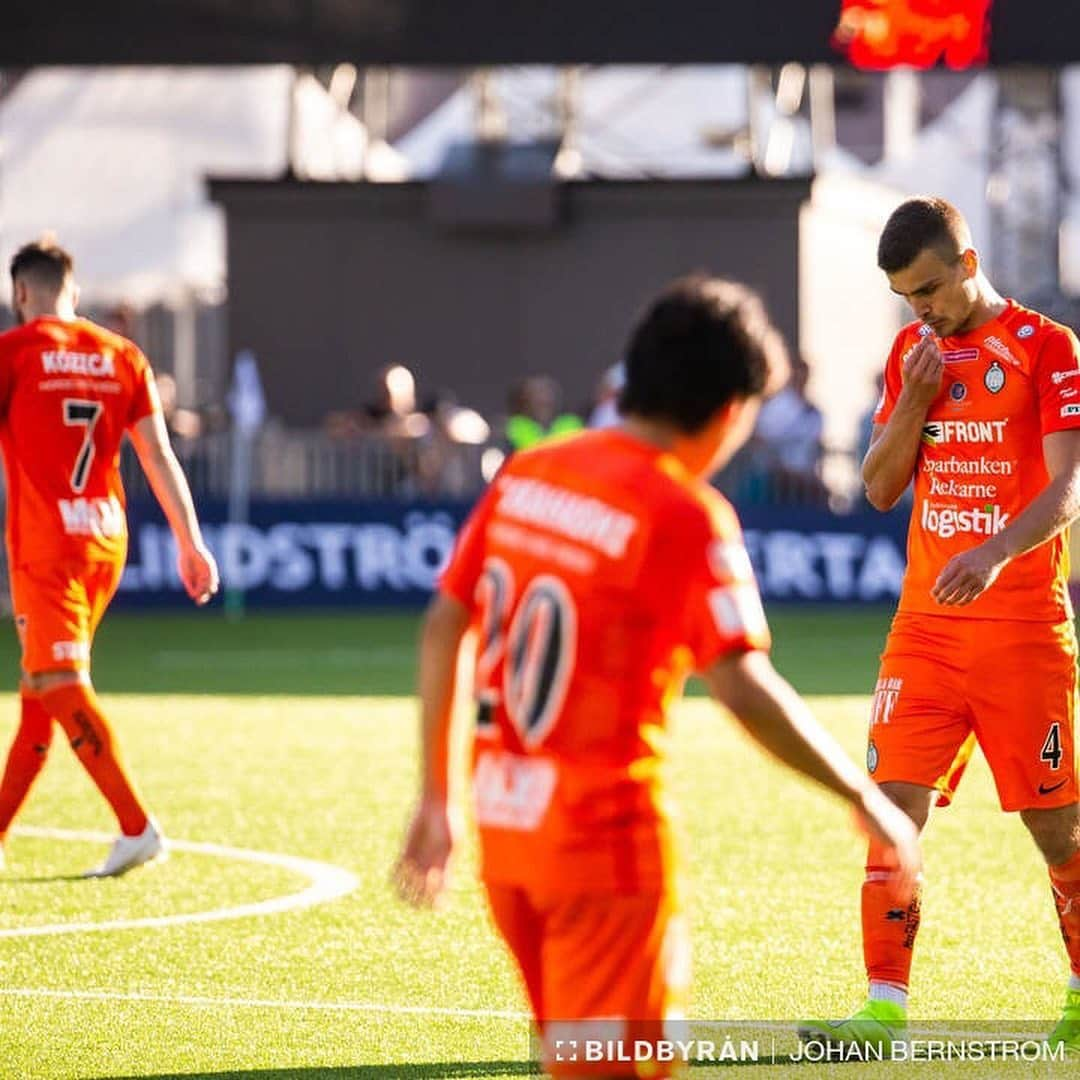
(68,392)
(599,573)
(1006,384)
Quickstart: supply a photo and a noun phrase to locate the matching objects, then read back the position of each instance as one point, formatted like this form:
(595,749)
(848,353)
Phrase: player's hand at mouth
(969,574)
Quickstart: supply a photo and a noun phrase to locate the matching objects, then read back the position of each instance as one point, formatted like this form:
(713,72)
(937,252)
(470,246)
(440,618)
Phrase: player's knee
(1056,832)
(914,799)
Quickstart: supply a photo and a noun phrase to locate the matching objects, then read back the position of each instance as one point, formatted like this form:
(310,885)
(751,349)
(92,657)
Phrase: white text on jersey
(62,362)
(103,518)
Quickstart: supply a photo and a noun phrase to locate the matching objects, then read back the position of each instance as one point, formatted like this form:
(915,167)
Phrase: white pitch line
(264,1003)
(328,882)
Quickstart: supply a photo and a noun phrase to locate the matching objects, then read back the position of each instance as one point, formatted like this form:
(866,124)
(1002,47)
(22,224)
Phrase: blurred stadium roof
(480,31)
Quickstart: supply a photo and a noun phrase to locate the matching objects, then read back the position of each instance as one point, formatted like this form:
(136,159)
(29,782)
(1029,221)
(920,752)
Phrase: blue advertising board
(304,553)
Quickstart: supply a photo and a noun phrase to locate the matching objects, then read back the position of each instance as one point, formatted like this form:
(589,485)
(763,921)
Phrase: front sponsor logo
(62,362)
(1071,410)
(1060,376)
(1025,331)
(958,391)
(994,379)
(980,466)
(959,356)
(947,521)
(996,345)
(957,489)
(942,432)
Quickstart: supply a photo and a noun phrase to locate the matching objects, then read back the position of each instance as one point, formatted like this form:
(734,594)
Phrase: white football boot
(128,852)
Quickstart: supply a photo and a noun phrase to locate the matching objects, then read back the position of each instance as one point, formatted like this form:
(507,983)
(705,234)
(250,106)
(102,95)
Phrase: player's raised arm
(894,445)
(776,717)
(198,571)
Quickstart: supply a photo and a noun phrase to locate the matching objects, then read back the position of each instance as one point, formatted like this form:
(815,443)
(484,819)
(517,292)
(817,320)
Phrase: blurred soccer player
(69,391)
(598,570)
(981,407)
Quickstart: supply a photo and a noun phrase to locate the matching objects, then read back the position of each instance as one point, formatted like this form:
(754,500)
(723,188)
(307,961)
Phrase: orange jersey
(1006,385)
(599,573)
(68,392)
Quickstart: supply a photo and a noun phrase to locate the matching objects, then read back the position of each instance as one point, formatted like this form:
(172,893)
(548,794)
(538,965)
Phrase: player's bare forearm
(775,716)
(444,626)
(167,480)
(970,573)
(890,462)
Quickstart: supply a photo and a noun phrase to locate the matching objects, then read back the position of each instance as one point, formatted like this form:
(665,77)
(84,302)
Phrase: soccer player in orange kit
(598,570)
(69,392)
(981,408)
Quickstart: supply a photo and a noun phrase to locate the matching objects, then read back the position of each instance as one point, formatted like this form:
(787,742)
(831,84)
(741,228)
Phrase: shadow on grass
(435,1070)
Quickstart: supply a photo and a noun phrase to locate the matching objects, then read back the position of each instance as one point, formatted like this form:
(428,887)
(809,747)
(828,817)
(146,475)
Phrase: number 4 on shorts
(1051,749)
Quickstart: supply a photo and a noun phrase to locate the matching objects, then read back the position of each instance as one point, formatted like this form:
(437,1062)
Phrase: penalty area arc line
(327,882)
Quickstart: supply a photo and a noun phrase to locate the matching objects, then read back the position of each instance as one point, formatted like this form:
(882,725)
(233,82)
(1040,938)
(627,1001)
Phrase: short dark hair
(703,342)
(43,263)
(920,223)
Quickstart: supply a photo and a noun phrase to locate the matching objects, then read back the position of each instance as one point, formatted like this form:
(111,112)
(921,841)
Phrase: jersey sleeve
(893,382)
(7,373)
(723,604)
(1057,381)
(144,400)
(467,559)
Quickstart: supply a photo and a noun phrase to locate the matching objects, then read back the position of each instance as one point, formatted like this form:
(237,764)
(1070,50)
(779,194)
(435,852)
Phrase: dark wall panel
(329,282)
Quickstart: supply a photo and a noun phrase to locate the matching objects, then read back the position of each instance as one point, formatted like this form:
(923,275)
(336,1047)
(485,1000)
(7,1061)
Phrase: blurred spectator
(866,421)
(121,319)
(787,443)
(534,413)
(449,461)
(605,412)
(391,411)
(185,423)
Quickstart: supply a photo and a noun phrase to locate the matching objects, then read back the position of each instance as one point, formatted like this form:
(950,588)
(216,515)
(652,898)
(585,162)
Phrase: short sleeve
(467,559)
(144,400)
(7,373)
(1057,381)
(892,383)
(723,604)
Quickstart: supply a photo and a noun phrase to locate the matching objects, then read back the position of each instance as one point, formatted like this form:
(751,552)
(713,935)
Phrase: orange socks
(1065,882)
(889,926)
(25,758)
(78,712)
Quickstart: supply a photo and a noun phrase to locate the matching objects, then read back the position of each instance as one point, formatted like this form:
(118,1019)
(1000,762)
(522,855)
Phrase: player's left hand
(421,872)
(969,574)
(198,571)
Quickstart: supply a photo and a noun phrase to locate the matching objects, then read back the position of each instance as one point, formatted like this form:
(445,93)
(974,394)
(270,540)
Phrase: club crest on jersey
(994,379)
(958,391)
(1025,331)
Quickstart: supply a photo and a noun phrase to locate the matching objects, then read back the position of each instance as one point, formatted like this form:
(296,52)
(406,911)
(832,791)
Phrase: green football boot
(1067,1032)
(873,1029)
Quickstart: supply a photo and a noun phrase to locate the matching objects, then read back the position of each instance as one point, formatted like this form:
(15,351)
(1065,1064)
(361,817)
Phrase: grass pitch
(293,735)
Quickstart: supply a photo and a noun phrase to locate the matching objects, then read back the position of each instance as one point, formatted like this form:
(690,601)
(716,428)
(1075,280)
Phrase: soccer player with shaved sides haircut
(598,570)
(981,412)
(69,392)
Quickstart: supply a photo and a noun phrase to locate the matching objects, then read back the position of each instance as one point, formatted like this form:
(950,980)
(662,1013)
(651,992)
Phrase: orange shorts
(947,683)
(57,610)
(599,967)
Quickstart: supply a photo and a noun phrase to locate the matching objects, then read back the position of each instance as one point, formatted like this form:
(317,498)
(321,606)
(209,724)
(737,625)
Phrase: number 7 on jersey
(81,413)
